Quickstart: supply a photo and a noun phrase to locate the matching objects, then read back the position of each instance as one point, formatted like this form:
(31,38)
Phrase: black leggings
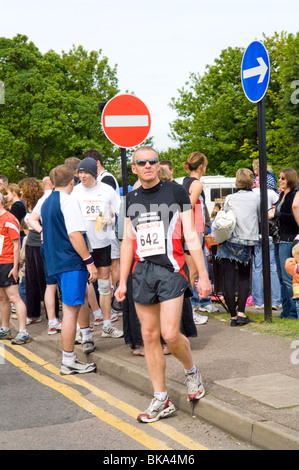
(232,271)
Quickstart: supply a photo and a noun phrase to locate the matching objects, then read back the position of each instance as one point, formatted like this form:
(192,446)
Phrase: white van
(216,188)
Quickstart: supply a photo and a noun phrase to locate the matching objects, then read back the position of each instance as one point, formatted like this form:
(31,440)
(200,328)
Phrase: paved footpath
(251,379)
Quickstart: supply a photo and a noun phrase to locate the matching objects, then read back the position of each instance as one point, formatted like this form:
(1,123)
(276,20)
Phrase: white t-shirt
(70,207)
(107,173)
(272,196)
(101,199)
(40,202)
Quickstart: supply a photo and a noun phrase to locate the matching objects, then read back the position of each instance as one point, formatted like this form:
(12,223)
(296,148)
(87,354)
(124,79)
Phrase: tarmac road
(251,379)
(42,411)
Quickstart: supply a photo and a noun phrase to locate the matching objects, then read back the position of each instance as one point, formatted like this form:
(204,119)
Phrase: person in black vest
(158,214)
(17,207)
(288,229)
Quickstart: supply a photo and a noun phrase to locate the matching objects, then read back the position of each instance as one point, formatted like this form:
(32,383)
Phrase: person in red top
(9,265)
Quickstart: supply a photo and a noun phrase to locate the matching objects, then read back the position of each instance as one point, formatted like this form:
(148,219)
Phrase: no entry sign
(126,121)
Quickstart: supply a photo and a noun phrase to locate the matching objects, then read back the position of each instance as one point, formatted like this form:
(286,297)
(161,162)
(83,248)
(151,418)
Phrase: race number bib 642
(150,239)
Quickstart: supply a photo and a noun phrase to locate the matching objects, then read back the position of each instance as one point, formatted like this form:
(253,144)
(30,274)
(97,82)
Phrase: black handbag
(274,230)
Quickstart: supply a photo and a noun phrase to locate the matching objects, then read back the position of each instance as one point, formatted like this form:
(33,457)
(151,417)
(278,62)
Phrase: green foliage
(51,107)
(51,110)
(215,117)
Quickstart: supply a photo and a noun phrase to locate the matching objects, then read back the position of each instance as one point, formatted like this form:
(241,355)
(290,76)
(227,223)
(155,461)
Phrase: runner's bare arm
(16,256)
(78,242)
(126,259)
(195,250)
(34,222)
(195,191)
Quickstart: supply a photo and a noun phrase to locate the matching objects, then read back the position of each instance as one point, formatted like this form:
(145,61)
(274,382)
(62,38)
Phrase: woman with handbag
(288,229)
(235,253)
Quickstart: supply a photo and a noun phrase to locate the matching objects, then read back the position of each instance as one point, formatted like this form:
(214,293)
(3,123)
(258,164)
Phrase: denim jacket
(246,207)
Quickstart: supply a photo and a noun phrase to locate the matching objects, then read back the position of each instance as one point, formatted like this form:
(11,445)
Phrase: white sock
(5,328)
(53,322)
(191,371)
(107,323)
(162,396)
(68,357)
(86,334)
(98,314)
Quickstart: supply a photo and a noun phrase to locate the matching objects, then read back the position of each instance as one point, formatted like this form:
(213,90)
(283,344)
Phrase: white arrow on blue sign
(255,71)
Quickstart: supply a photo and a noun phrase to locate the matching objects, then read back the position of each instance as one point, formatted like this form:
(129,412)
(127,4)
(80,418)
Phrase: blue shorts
(73,286)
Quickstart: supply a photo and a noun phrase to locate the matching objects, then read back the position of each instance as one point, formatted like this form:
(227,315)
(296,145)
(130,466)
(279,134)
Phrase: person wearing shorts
(106,177)
(158,215)
(9,267)
(68,260)
(99,205)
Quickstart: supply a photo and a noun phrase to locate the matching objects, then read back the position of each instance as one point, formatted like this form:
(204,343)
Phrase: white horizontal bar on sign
(132,120)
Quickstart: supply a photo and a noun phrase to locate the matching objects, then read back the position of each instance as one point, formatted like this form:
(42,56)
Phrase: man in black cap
(99,203)
(106,177)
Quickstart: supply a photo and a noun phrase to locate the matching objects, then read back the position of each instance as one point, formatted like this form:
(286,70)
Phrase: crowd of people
(60,244)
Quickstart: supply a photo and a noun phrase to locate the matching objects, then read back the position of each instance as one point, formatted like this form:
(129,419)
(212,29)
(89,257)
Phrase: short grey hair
(144,148)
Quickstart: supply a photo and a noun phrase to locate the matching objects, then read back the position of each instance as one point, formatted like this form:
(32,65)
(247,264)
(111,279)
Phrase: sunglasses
(151,161)
(281,178)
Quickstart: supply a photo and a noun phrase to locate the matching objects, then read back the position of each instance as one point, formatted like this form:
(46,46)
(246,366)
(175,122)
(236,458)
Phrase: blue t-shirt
(61,215)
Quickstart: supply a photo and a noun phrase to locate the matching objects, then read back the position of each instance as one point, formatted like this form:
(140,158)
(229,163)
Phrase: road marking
(111,400)
(76,397)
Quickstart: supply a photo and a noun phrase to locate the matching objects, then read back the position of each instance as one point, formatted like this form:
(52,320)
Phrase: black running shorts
(6,281)
(102,256)
(153,284)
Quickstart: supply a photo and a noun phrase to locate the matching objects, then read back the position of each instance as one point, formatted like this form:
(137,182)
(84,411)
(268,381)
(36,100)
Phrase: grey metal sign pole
(264,209)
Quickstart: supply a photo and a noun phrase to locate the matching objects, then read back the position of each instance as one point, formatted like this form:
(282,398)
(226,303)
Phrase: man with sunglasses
(158,215)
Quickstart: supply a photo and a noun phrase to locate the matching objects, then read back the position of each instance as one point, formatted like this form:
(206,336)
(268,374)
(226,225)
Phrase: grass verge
(282,327)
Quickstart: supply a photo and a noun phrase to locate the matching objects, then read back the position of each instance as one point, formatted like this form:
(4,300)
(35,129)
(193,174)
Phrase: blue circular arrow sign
(255,71)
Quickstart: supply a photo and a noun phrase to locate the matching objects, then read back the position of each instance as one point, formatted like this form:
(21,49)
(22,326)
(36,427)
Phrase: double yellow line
(76,397)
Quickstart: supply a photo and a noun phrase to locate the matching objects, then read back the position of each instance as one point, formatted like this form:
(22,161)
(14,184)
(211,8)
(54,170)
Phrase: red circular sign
(126,121)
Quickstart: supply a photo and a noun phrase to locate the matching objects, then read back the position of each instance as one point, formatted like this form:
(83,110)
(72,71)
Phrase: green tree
(290,81)
(215,117)
(51,106)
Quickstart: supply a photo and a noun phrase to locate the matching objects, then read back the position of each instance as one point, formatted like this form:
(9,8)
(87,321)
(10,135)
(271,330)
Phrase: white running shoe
(112,332)
(195,388)
(210,308)
(52,330)
(199,319)
(100,321)
(157,409)
(77,367)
